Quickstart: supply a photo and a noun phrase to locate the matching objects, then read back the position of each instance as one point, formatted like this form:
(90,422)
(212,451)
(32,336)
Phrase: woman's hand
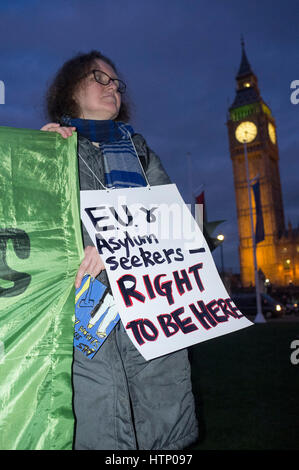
(65,132)
(92,264)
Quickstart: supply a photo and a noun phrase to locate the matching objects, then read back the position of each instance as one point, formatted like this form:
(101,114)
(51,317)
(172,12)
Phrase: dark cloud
(180,58)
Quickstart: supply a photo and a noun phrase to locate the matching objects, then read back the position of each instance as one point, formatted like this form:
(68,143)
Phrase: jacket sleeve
(154,170)
(86,238)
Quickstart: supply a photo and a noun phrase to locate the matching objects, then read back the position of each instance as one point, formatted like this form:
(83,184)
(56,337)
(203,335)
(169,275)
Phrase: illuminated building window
(246,85)
(287,264)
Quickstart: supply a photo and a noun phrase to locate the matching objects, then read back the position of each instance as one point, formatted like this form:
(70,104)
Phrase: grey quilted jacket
(121,401)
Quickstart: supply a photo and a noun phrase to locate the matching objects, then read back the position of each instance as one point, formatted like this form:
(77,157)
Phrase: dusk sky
(179,59)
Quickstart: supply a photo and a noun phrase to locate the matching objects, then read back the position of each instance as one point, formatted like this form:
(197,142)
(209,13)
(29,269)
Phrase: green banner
(40,251)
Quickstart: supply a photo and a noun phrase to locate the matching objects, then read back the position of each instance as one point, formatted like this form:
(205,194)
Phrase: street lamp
(220,237)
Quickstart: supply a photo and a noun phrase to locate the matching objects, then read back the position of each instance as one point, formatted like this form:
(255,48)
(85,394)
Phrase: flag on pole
(200,199)
(259,225)
(202,219)
(40,251)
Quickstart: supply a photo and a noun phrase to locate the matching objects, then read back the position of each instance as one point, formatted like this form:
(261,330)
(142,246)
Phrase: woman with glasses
(121,401)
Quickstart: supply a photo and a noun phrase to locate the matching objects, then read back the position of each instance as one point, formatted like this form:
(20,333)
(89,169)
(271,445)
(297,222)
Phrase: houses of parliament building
(278,253)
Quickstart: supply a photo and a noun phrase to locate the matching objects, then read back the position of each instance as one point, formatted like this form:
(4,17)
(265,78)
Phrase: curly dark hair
(59,97)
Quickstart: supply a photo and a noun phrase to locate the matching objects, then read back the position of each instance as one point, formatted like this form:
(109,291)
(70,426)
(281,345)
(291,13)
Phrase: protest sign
(163,277)
(96,316)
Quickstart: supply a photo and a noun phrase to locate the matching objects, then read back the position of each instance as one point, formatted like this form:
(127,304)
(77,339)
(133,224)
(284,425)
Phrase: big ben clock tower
(251,119)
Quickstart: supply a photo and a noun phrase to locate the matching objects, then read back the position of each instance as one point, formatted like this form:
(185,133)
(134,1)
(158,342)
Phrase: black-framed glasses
(104,79)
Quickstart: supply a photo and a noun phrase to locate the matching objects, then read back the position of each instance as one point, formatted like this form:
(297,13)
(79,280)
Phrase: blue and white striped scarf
(121,163)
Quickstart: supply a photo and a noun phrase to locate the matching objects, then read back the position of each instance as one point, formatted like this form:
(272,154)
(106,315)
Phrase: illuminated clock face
(246,132)
(272,134)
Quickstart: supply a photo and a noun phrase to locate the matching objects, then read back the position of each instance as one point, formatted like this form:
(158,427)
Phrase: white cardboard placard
(162,274)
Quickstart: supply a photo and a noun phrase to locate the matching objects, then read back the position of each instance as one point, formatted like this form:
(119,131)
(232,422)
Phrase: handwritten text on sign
(163,277)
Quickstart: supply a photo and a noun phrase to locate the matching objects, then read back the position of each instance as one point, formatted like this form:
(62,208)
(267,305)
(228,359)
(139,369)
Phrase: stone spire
(245,68)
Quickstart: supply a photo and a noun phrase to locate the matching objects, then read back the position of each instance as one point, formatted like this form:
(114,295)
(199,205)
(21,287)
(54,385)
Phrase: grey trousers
(123,402)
